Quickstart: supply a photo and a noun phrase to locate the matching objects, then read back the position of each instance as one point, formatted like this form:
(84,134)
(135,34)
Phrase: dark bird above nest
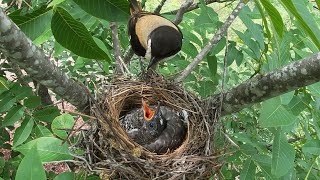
(152,36)
(157,128)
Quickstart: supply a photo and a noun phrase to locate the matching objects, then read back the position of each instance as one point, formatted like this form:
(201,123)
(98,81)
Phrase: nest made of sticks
(115,156)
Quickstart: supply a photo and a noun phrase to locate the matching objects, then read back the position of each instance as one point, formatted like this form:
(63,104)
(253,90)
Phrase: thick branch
(293,76)
(19,49)
(216,38)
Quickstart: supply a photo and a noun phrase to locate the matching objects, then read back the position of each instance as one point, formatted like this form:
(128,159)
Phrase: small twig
(80,114)
(196,6)
(182,10)
(158,9)
(116,48)
(213,42)
(128,55)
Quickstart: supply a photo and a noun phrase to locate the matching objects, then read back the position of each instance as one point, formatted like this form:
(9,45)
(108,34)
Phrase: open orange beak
(148,113)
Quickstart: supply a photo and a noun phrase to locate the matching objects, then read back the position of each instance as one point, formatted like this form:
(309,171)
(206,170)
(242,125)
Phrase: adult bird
(152,36)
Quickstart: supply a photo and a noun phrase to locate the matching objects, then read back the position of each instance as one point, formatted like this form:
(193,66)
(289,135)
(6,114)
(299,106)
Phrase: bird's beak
(152,62)
(148,113)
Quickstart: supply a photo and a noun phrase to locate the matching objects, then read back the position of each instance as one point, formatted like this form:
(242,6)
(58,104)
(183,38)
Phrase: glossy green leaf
(110,10)
(315,89)
(31,166)
(35,23)
(55,2)
(288,4)
(32,102)
(312,146)
(275,17)
(248,171)
(49,149)
(21,92)
(6,101)
(274,114)
(213,64)
(42,131)
(62,124)
(13,115)
(22,133)
(73,35)
(283,155)
(3,84)
(47,114)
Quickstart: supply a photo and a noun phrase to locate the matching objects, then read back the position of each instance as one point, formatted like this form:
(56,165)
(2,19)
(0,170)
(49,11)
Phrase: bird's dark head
(154,123)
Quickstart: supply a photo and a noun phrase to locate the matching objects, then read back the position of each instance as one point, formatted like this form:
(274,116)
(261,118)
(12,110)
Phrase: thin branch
(213,42)
(262,87)
(181,11)
(116,48)
(196,6)
(158,9)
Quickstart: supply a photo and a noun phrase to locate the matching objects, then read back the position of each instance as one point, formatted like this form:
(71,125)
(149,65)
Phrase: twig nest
(116,154)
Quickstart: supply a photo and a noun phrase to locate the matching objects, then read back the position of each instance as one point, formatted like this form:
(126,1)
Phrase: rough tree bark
(19,49)
(293,76)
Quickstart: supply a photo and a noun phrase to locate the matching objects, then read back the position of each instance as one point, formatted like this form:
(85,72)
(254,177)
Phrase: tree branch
(216,38)
(116,48)
(158,9)
(181,11)
(196,6)
(19,49)
(262,87)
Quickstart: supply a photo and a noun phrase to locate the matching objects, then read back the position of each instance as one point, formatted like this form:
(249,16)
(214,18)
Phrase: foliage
(277,139)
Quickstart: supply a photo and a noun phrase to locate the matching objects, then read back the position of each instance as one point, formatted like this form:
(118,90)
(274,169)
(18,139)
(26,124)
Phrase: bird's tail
(135,6)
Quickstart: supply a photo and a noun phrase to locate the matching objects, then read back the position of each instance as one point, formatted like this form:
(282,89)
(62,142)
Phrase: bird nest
(113,155)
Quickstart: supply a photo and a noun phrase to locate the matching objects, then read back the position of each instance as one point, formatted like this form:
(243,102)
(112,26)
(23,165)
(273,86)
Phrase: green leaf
(206,88)
(21,92)
(6,101)
(65,176)
(65,122)
(275,17)
(274,114)
(31,166)
(32,102)
(207,16)
(212,63)
(110,10)
(13,115)
(22,133)
(3,84)
(283,155)
(47,114)
(42,131)
(35,23)
(312,146)
(315,89)
(255,30)
(264,163)
(288,4)
(249,170)
(49,149)
(73,35)
(55,2)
